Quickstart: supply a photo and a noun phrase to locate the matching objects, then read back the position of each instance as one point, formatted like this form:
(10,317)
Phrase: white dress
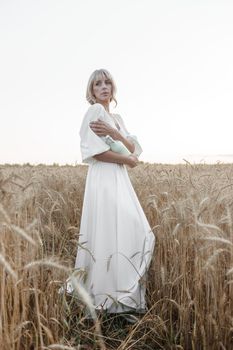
(116,242)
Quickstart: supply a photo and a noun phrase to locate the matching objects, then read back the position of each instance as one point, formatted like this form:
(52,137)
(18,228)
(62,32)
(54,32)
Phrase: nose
(104,87)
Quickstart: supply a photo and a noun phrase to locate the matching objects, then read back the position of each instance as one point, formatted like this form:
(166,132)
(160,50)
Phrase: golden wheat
(190,285)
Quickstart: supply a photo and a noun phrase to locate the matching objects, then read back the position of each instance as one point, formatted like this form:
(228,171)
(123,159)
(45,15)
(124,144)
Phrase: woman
(116,242)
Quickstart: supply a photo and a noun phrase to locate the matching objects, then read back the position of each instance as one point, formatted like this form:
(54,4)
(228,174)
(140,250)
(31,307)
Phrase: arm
(102,128)
(113,157)
(117,136)
(132,138)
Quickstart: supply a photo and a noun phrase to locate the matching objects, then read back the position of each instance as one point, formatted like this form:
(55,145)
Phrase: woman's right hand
(132,161)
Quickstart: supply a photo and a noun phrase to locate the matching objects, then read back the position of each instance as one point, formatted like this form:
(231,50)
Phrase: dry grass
(190,282)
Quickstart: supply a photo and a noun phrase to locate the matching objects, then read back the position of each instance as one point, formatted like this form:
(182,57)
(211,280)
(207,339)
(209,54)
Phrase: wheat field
(190,281)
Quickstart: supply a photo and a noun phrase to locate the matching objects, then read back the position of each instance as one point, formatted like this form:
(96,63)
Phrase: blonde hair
(97,74)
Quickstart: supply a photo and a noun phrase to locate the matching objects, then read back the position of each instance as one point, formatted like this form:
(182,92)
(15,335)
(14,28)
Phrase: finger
(99,132)
(96,128)
(100,127)
(93,123)
(101,122)
(97,124)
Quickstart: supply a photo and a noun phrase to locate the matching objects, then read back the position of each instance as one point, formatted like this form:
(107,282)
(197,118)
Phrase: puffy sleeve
(90,143)
(138,149)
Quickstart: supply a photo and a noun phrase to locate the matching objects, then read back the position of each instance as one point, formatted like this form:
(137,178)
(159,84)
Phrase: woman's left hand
(102,128)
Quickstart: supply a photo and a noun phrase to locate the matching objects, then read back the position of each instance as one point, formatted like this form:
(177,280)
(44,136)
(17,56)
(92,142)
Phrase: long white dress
(116,242)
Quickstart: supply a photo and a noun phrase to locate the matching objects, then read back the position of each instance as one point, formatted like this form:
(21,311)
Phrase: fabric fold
(116,243)
(90,143)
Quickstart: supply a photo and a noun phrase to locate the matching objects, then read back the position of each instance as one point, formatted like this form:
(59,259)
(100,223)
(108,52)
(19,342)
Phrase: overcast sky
(171,60)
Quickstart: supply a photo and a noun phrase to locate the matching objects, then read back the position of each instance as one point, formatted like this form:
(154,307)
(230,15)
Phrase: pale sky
(171,60)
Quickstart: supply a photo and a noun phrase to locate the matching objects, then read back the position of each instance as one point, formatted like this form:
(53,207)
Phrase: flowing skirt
(116,242)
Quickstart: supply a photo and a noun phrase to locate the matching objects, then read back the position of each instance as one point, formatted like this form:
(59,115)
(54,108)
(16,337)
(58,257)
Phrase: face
(102,89)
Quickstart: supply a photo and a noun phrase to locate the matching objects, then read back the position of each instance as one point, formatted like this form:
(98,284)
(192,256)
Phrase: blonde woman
(116,242)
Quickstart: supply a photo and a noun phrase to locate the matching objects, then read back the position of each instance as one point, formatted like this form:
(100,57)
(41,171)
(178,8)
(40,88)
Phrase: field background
(190,282)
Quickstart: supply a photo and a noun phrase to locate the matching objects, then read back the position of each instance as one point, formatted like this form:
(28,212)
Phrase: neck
(106,105)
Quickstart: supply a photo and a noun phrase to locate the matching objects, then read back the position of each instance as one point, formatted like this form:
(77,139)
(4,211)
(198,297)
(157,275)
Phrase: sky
(171,60)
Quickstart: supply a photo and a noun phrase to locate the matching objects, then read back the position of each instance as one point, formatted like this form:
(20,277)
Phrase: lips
(104,93)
